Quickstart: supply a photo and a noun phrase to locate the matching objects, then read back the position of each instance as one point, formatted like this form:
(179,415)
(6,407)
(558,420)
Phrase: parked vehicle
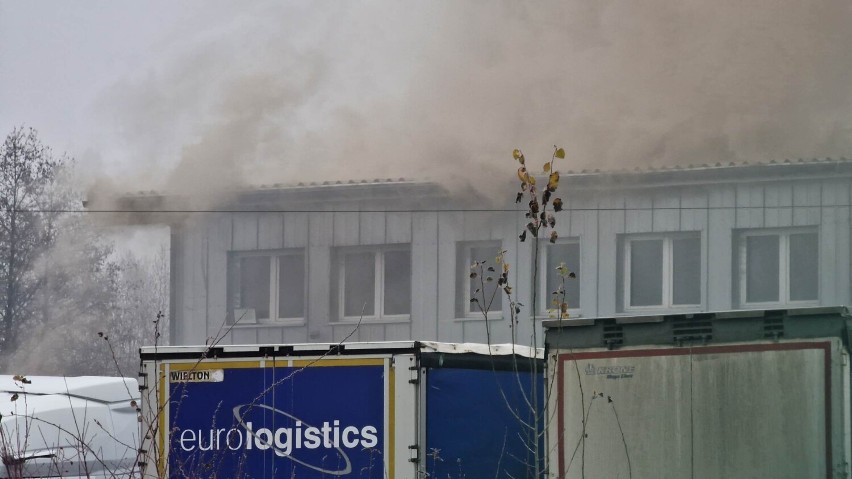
(68,426)
(702,395)
(361,410)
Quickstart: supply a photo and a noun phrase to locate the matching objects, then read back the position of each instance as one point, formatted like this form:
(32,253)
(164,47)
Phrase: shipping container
(360,410)
(742,394)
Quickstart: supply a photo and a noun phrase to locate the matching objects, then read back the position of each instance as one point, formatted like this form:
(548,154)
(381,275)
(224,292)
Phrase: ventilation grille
(613,336)
(692,329)
(773,327)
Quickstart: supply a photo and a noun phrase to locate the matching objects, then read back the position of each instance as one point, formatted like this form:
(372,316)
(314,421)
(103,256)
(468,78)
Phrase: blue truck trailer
(356,410)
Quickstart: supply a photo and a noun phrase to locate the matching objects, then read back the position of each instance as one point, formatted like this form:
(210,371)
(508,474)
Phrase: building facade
(390,260)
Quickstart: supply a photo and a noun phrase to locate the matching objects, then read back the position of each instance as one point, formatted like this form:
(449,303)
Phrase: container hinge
(413,453)
(415,375)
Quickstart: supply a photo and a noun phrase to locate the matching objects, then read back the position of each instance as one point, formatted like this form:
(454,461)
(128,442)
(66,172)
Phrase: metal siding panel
(449,232)
(347,332)
(424,280)
(218,245)
(835,192)
(245,231)
(295,230)
(666,210)
(720,251)
(779,201)
(827,257)
(612,223)
(346,228)
(372,228)
(807,193)
(749,206)
(398,227)
(638,215)
(270,231)
(400,332)
(589,266)
(195,262)
(808,216)
(319,276)
(244,336)
(693,212)
(295,334)
(269,335)
(371,332)
(721,196)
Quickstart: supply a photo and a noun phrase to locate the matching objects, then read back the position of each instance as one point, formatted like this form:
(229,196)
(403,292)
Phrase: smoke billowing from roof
(312,91)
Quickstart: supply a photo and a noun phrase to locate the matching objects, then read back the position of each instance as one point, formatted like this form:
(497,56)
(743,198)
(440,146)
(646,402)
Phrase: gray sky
(198,95)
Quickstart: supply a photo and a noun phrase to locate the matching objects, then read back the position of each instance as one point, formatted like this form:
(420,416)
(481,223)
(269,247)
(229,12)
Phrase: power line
(421,210)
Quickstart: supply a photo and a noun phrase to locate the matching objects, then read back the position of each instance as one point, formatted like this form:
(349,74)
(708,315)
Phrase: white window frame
(272,255)
(783,267)
(668,272)
(545,297)
(378,252)
(469,310)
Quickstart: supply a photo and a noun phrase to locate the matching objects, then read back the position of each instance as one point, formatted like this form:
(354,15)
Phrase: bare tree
(28,208)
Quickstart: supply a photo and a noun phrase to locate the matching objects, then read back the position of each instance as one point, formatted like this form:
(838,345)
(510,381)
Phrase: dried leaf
(572,275)
(553,181)
(553,236)
(473,275)
(547,167)
(14,397)
(522,174)
(523,236)
(559,153)
(557,204)
(519,197)
(516,154)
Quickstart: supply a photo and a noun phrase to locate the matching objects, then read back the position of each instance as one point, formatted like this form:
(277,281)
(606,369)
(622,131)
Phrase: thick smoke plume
(272,92)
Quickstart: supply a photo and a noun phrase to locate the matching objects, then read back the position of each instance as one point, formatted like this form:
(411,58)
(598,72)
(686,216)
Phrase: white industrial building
(390,259)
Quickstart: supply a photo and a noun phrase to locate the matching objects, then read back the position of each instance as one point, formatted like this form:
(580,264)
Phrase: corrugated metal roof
(710,166)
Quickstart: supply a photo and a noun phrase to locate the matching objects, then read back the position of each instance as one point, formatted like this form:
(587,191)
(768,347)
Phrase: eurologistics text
(282,440)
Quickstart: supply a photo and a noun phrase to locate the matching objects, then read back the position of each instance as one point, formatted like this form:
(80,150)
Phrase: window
(374,282)
(266,286)
(662,271)
(467,254)
(550,257)
(778,267)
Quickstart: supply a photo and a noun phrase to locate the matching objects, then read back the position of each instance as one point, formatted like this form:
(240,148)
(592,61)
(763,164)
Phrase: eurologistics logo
(282,441)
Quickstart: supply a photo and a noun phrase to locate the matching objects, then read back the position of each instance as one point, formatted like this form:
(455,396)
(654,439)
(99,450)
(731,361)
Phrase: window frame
(274,299)
(668,271)
(544,307)
(378,252)
(465,258)
(783,235)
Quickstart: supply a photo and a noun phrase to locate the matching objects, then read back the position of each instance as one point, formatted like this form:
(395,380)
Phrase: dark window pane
(570,255)
(686,271)
(804,267)
(359,284)
(646,272)
(397,293)
(254,285)
(291,286)
(491,295)
(762,279)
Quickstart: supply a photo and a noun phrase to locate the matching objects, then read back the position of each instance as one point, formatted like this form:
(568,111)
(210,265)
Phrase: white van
(68,426)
